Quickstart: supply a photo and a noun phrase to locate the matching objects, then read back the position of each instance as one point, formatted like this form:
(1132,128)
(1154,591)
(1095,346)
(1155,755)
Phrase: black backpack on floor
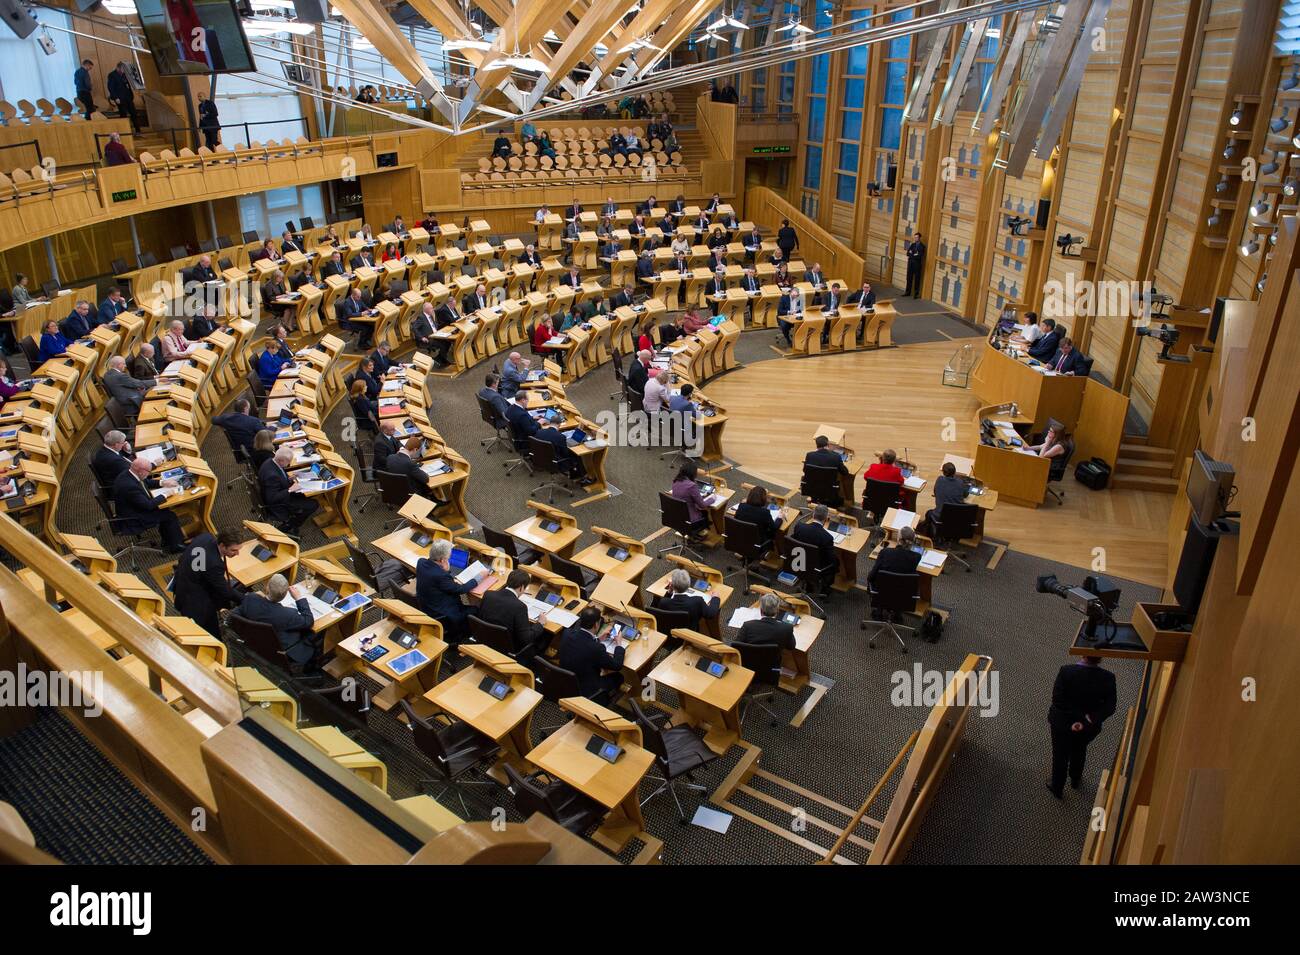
(1093,473)
(931,628)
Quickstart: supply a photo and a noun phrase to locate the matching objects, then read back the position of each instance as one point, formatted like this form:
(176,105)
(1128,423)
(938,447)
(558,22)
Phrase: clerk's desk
(1018,476)
(1000,377)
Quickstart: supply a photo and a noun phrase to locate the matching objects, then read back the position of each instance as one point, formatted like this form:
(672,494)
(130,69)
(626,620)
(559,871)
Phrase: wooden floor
(895,398)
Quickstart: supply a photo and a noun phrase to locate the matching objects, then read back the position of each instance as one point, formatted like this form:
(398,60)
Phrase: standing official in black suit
(504,608)
(283,498)
(767,629)
(588,660)
(111,459)
(915,266)
(1082,697)
(137,511)
(202,587)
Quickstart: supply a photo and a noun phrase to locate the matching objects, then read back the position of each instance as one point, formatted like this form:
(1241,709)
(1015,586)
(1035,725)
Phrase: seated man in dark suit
(386,444)
(491,393)
(240,425)
(423,325)
(350,308)
(621,298)
(899,559)
(864,297)
(638,374)
(403,462)
(1046,346)
(438,594)
(948,489)
(110,459)
(112,306)
(334,266)
(202,587)
(79,322)
(682,599)
(524,426)
(362,259)
(598,671)
(768,629)
(820,544)
(126,389)
(504,608)
(824,457)
(287,506)
(476,300)
(203,271)
(383,364)
(644,266)
(137,511)
(203,324)
(1068,360)
(292,624)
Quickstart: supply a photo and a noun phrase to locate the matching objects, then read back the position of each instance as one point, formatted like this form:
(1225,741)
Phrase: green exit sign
(769,150)
(126,195)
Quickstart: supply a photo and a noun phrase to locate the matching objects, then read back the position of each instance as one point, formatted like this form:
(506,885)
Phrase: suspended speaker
(891,176)
(311,11)
(1044,213)
(18,17)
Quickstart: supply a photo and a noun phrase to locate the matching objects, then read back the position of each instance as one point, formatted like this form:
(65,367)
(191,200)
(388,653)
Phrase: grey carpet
(992,808)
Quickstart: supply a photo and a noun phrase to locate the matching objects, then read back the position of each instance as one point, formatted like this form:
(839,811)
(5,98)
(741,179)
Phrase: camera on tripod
(1096,599)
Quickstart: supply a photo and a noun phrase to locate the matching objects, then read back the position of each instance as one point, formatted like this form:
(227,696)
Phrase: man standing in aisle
(1082,697)
(915,266)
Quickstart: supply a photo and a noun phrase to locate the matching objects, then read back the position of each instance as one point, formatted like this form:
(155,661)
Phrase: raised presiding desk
(1007,376)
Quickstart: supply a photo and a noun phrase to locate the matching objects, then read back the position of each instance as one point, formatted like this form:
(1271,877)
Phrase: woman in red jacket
(390,253)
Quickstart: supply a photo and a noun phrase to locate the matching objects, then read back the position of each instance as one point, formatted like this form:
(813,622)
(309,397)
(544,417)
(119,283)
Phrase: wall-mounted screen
(195,37)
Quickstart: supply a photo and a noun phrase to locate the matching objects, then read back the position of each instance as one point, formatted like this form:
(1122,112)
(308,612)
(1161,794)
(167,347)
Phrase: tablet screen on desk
(549,596)
(712,667)
(459,558)
(618,553)
(403,638)
(550,526)
(262,553)
(494,687)
(604,749)
(325,595)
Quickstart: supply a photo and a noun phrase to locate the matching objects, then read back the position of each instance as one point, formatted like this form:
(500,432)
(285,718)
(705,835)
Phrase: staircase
(1142,467)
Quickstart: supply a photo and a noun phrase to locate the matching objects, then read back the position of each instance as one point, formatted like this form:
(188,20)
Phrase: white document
(933,558)
(742,616)
(472,572)
(562,617)
(901,519)
(913,483)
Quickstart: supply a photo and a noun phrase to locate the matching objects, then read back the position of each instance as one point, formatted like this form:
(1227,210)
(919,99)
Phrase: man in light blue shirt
(513,374)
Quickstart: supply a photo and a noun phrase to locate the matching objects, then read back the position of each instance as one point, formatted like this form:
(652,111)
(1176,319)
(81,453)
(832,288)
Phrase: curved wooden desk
(1001,378)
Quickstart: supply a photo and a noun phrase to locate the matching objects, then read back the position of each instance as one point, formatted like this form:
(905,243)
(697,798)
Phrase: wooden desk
(250,571)
(349,754)
(560,541)
(707,702)
(416,681)
(506,721)
(564,755)
(1000,377)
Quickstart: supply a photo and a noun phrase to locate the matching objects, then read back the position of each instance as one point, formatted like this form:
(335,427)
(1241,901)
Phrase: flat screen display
(195,37)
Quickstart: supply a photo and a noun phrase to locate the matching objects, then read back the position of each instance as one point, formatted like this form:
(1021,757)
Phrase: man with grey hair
(819,552)
(111,458)
(682,597)
(438,593)
(175,345)
(638,375)
(291,619)
(769,628)
(80,322)
(138,510)
(513,374)
(128,390)
(282,496)
(143,366)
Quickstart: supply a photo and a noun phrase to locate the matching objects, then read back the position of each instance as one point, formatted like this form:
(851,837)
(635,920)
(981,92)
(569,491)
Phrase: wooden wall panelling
(952,251)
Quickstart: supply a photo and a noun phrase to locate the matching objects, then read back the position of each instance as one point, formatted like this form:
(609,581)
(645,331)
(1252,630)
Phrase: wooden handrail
(871,797)
(166,661)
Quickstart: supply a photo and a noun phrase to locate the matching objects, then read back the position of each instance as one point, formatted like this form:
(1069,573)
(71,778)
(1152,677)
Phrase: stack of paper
(472,572)
(742,616)
(933,558)
(901,519)
(913,483)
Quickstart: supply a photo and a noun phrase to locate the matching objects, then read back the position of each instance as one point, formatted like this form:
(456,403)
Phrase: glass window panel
(848,156)
(856,60)
(891,128)
(820,70)
(896,83)
(846,188)
(816,119)
(851,125)
(853,90)
(812,172)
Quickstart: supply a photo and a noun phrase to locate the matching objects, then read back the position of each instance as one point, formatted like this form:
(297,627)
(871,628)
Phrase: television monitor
(195,37)
(1209,487)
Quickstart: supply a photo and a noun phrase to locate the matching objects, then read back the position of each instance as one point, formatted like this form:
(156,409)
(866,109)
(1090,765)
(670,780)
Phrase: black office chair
(103,426)
(892,593)
(554,799)
(306,222)
(744,540)
(821,485)
(261,640)
(506,544)
(880,496)
(455,749)
(800,560)
(346,706)
(367,475)
(131,544)
(50,288)
(500,427)
(146,260)
(954,523)
(31,350)
(207,245)
(225,242)
(666,621)
(224,264)
(674,515)
(491,635)
(765,660)
(251,236)
(364,568)
(242,461)
(522,449)
(394,492)
(616,359)
(258,390)
(584,578)
(1056,471)
(544,458)
(678,751)
(178,252)
(119,266)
